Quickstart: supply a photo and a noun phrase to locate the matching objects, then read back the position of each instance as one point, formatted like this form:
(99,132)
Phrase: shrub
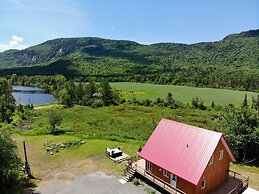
(136,181)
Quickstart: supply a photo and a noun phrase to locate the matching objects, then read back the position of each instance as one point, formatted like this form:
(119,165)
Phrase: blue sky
(25,23)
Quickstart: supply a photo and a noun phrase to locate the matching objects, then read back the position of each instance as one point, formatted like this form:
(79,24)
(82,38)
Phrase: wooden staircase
(129,174)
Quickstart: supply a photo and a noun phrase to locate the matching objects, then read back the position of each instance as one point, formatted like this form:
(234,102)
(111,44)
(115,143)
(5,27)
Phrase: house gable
(217,172)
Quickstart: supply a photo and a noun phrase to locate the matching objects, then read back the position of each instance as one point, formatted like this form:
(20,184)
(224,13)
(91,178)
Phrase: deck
(139,167)
(235,184)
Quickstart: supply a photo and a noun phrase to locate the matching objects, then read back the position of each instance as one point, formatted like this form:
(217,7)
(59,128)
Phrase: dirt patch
(44,107)
(70,170)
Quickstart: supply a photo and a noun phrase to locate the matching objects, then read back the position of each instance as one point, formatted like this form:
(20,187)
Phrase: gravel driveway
(96,183)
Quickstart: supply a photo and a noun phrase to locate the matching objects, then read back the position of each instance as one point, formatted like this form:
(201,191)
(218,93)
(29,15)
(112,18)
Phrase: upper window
(149,166)
(221,153)
(211,160)
(203,184)
(166,173)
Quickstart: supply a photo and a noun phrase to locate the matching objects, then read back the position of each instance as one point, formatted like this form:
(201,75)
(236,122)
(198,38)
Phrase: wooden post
(26,164)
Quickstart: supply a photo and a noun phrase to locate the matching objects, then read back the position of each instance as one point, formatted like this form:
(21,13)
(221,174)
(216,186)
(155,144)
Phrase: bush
(136,182)
(54,119)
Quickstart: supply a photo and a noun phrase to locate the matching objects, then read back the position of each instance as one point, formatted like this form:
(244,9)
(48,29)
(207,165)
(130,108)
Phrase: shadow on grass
(27,187)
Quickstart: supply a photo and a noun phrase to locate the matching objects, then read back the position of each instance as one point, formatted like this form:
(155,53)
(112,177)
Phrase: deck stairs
(129,174)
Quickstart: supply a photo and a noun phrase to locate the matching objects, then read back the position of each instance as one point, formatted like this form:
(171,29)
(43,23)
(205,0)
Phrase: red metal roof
(182,149)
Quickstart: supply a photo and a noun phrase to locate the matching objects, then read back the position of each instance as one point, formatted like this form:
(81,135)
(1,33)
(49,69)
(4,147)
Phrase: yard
(124,126)
(79,164)
(81,169)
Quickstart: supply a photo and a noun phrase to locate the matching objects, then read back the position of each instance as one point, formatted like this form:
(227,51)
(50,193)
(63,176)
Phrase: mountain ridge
(198,64)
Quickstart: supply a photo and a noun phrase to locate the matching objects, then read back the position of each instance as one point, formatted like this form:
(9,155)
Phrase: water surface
(31,95)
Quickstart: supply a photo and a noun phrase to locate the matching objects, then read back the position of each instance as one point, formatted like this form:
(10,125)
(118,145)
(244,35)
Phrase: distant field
(182,93)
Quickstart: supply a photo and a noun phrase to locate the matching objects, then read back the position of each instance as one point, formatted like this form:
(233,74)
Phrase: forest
(229,63)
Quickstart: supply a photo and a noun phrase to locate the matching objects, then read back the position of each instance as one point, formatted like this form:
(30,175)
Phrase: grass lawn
(182,93)
(71,162)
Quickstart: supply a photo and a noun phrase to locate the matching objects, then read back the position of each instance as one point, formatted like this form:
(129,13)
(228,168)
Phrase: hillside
(230,63)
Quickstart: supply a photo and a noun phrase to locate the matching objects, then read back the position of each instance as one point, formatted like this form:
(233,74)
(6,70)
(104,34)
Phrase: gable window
(211,160)
(221,154)
(203,184)
(166,173)
(149,166)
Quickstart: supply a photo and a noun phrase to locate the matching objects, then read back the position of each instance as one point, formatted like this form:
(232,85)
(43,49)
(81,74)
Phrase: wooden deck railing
(243,182)
(156,180)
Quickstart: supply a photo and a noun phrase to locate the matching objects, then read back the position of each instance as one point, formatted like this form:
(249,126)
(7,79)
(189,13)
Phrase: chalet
(190,159)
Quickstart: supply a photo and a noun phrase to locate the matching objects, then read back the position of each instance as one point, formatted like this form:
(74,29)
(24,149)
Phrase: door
(173,180)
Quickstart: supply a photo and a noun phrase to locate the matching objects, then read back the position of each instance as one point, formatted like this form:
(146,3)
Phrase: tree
(255,104)
(7,105)
(10,165)
(241,128)
(80,93)
(106,91)
(53,120)
(195,102)
(245,104)
(90,89)
(212,104)
(169,98)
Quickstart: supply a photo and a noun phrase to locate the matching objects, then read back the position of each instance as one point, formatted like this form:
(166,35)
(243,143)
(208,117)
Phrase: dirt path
(45,106)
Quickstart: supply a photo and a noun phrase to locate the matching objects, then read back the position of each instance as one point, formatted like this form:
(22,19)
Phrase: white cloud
(15,40)
(15,43)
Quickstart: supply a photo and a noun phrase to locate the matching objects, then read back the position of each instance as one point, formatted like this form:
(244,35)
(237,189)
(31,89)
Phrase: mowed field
(182,93)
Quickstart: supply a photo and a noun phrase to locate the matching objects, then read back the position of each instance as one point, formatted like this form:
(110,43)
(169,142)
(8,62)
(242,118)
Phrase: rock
(48,149)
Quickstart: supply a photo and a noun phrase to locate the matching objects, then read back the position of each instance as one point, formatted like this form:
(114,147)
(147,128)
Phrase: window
(149,166)
(166,173)
(203,184)
(211,160)
(221,154)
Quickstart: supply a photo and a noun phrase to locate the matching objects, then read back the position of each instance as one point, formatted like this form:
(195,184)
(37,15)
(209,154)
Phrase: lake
(31,95)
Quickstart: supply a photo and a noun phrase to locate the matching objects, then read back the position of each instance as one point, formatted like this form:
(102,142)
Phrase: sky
(25,23)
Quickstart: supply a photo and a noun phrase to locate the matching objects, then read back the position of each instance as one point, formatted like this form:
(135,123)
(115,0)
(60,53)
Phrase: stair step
(126,179)
(131,170)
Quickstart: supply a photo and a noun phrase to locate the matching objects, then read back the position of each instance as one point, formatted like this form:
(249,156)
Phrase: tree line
(241,128)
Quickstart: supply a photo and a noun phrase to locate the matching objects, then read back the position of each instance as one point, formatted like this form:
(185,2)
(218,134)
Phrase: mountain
(230,63)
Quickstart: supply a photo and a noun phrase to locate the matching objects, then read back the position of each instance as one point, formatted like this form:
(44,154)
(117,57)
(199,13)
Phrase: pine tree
(106,92)
(245,104)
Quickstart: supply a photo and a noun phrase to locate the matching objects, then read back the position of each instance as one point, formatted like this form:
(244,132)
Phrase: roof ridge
(191,126)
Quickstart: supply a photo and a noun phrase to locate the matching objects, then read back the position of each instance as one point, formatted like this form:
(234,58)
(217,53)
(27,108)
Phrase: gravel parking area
(97,183)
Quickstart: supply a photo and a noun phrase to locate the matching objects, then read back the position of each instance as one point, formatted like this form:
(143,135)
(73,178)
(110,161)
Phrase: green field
(182,93)
(117,123)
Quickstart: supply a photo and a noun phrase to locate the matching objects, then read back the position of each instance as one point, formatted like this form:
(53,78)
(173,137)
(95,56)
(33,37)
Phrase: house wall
(214,174)
(158,171)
